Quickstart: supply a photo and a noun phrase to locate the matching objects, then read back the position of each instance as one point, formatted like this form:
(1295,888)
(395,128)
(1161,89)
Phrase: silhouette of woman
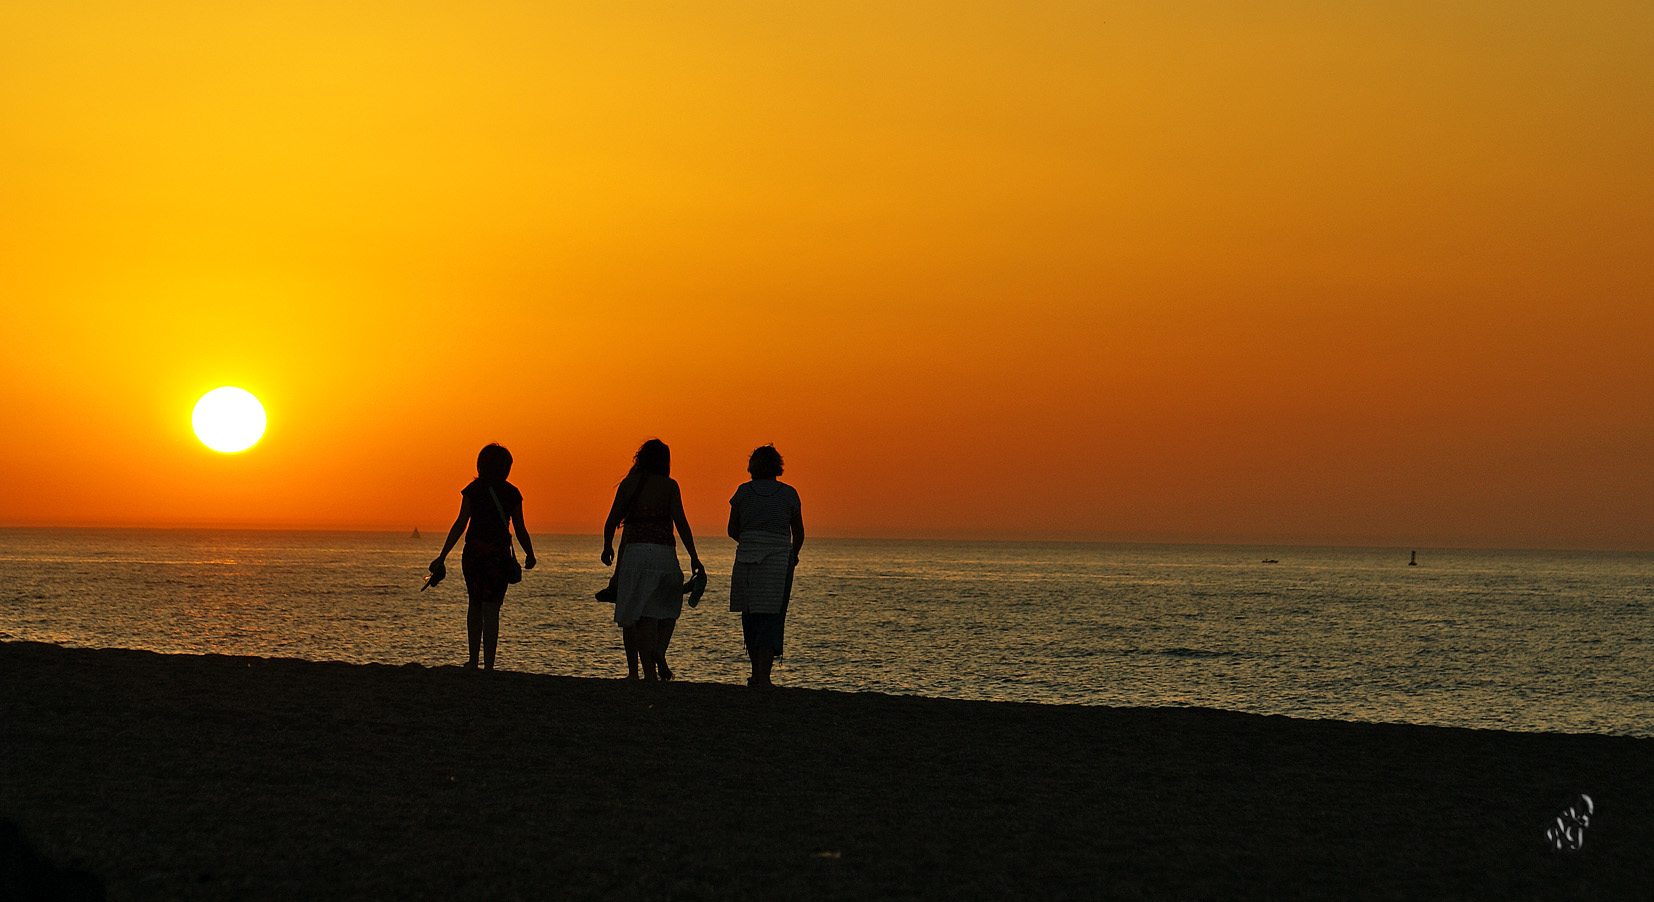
(649,580)
(767,524)
(487,562)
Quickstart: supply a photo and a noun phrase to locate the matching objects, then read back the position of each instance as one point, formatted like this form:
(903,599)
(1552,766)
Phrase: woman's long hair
(652,457)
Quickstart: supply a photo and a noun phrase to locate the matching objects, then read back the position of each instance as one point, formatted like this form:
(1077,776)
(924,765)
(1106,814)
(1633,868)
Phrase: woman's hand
(608,555)
(440,564)
(695,565)
(528,562)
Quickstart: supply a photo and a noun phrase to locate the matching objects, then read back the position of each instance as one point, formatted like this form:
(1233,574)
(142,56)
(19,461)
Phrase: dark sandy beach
(178,777)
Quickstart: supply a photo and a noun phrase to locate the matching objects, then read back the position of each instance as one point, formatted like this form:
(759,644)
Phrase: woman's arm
(682,522)
(615,515)
(734,522)
(454,532)
(798,533)
(522,537)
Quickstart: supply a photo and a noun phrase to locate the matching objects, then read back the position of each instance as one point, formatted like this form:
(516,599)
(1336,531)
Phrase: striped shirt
(765,505)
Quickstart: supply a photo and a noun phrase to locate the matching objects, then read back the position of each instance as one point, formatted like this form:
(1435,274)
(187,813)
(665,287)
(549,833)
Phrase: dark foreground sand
(248,778)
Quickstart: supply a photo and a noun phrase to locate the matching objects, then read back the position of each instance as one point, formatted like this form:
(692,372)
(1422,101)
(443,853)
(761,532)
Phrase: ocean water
(1518,640)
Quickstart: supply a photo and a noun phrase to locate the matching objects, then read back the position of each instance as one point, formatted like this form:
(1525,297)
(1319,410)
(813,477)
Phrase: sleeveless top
(647,525)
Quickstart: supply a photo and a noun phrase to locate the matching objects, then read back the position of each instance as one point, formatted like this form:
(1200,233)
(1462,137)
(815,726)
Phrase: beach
(213,777)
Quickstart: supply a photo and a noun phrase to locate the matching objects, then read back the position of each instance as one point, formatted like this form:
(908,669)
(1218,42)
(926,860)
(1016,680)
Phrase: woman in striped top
(766,522)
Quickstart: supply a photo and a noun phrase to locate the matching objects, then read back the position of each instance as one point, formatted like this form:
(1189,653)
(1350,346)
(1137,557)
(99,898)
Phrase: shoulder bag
(514,572)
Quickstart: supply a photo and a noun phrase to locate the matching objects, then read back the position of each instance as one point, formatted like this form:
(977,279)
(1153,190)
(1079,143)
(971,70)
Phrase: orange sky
(1274,272)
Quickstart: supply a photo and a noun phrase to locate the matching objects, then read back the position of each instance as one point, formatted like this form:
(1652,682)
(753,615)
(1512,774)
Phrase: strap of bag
(503,518)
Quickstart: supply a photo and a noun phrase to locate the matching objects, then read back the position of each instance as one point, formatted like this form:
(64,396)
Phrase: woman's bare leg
(647,631)
(628,637)
(473,630)
(663,638)
(763,658)
(490,634)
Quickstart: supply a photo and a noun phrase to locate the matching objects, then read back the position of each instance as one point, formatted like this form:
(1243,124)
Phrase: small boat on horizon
(1414,561)
(416,533)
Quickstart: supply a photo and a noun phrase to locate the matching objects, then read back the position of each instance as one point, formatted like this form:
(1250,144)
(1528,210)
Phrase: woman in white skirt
(649,581)
(766,522)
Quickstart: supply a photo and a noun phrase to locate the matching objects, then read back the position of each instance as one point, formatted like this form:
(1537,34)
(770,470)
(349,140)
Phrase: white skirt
(649,584)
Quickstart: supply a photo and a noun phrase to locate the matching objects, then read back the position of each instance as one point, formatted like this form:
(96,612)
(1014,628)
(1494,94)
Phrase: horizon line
(985,536)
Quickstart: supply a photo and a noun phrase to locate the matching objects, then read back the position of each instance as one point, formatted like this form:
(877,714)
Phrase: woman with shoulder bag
(492,507)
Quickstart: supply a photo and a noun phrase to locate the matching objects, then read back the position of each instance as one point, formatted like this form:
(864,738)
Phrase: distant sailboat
(416,533)
(1414,562)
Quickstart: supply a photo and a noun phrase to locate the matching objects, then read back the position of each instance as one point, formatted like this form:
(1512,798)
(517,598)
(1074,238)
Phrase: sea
(1547,641)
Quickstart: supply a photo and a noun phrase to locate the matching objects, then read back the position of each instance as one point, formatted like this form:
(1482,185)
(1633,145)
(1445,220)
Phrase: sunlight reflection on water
(1512,640)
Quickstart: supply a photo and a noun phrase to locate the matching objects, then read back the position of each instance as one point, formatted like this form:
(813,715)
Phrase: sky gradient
(1377,274)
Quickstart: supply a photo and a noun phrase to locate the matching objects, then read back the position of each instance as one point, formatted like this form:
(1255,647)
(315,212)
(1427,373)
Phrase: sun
(228,419)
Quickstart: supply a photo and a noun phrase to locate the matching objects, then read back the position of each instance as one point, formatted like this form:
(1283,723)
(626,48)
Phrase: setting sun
(228,419)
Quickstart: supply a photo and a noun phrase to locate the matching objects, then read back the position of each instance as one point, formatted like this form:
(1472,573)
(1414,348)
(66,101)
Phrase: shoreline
(201,777)
(734,682)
